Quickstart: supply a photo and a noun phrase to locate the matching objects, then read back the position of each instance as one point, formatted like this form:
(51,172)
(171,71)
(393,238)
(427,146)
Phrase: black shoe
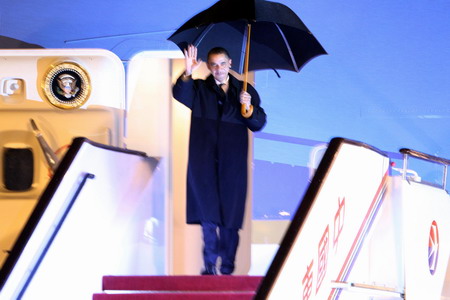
(209,270)
(226,271)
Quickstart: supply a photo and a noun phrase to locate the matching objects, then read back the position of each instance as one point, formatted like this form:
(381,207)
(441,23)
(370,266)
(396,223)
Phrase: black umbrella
(279,39)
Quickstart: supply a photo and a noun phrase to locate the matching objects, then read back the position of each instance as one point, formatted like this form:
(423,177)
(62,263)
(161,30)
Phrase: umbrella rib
(294,63)
(199,39)
(243,50)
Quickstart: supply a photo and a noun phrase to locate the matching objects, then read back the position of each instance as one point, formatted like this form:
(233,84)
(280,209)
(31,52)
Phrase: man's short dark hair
(218,50)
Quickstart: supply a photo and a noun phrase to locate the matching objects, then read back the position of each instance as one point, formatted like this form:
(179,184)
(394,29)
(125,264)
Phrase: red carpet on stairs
(178,287)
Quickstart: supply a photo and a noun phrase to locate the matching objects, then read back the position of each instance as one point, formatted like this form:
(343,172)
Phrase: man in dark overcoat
(218,148)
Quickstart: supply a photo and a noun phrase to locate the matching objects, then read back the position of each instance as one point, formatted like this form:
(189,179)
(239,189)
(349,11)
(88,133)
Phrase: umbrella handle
(246,113)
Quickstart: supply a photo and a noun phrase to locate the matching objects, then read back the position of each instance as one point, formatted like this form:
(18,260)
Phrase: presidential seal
(67,85)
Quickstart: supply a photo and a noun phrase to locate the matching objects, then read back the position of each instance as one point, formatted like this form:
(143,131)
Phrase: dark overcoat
(218,148)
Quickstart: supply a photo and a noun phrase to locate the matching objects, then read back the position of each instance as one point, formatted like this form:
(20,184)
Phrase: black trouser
(219,242)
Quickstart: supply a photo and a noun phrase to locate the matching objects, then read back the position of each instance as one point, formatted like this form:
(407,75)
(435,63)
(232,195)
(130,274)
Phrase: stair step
(176,296)
(182,283)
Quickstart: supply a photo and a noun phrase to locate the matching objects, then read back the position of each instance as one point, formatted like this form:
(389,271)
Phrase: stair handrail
(427,157)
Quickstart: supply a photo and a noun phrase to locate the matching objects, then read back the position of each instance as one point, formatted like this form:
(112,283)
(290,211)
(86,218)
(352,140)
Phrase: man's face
(219,65)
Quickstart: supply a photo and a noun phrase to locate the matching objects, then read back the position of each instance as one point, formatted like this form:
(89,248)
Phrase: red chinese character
(322,257)
(338,221)
(308,282)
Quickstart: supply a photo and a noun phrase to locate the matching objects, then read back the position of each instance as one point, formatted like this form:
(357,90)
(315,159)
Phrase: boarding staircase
(360,232)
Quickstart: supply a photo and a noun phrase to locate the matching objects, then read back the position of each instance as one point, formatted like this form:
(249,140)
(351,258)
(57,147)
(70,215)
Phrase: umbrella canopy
(279,39)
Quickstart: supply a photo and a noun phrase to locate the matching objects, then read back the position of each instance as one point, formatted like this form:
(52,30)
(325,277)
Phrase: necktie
(224,87)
